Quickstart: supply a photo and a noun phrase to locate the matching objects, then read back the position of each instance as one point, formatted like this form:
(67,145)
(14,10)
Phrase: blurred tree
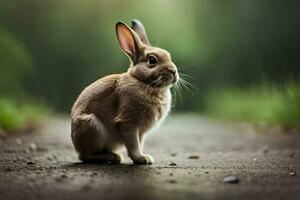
(68,44)
(15,64)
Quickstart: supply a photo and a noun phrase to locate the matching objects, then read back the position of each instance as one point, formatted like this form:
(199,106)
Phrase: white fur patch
(98,125)
(166,111)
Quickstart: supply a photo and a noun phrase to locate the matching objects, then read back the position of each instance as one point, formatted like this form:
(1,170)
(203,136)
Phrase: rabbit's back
(99,98)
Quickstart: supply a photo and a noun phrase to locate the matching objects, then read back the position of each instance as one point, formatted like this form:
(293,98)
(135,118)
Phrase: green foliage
(16,115)
(289,112)
(15,63)
(269,105)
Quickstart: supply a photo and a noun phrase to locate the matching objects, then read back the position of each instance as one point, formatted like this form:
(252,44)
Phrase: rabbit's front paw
(143,160)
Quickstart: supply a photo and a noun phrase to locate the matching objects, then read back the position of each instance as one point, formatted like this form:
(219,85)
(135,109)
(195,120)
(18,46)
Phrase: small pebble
(230,179)
(29,163)
(206,172)
(194,157)
(18,141)
(32,147)
(172,164)
(292,155)
(254,159)
(265,149)
(49,158)
(63,176)
(292,173)
(173,154)
(95,173)
(8,170)
(172,181)
(171,174)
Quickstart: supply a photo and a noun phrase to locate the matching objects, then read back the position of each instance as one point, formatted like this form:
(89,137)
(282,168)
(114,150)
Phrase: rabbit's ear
(129,41)
(139,28)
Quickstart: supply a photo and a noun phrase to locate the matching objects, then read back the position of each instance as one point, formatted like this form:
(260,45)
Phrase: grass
(16,115)
(271,106)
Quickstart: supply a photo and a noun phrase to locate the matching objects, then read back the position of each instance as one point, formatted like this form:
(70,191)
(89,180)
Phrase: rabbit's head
(151,65)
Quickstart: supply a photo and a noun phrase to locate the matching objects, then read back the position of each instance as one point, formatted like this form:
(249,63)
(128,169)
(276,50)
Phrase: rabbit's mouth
(170,78)
(165,80)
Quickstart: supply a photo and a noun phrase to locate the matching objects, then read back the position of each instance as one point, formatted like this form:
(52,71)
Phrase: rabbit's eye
(152,60)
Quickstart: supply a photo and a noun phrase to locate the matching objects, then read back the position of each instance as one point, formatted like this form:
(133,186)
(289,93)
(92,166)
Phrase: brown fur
(117,110)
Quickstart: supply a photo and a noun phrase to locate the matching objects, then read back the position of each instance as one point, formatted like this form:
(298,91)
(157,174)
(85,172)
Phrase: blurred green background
(242,56)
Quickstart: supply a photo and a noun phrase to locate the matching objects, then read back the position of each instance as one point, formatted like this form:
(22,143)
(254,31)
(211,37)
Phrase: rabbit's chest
(162,112)
(155,112)
(163,109)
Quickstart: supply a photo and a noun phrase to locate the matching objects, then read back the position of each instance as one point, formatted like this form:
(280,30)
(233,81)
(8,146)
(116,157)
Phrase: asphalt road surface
(193,155)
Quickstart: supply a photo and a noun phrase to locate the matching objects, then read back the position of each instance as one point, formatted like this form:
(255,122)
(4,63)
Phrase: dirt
(193,155)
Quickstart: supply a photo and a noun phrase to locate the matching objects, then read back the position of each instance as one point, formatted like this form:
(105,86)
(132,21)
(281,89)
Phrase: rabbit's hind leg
(89,137)
(103,157)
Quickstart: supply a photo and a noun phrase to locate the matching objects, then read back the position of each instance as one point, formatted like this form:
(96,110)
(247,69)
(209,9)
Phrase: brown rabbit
(117,110)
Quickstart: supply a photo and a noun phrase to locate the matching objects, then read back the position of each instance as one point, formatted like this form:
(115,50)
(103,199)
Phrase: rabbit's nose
(172,69)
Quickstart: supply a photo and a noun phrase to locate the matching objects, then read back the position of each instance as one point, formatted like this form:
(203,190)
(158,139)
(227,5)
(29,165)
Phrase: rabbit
(118,110)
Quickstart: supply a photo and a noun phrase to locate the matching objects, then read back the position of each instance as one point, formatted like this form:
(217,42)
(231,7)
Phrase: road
(193,154)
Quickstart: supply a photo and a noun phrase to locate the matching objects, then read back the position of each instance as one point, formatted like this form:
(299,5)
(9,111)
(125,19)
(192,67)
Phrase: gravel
(222,149)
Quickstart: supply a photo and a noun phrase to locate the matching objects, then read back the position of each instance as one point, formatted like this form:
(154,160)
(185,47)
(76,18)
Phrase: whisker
(150,88)
(174,97)
(186,76)
(180,90)
(188,83)
(185,85)
(158,81)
